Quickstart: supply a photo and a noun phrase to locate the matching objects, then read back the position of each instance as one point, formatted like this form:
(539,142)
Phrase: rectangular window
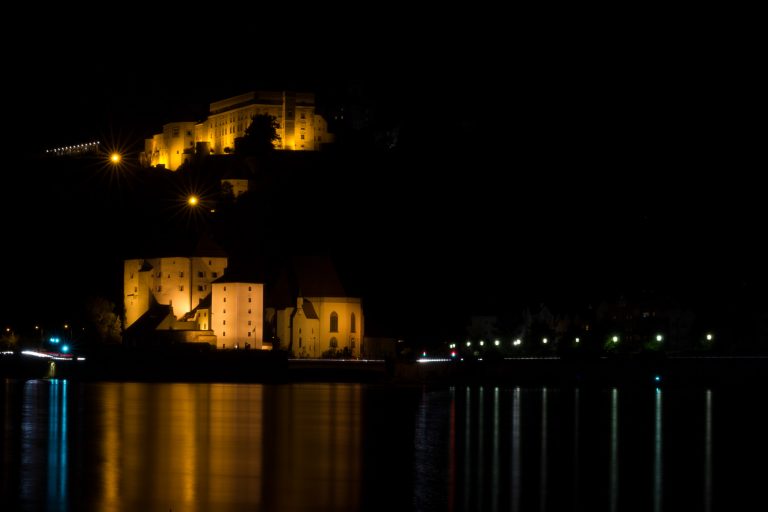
(135,289)
(225,299)
(201,274)
(181,274)
(249,322)
(249,333)
(223,334)
(181,288)
(224,312)
(200,288)
(249,288)
(223,322)
(249,299)
(249,311)
(302,136)
(225,288)
(159,288)
(214,274)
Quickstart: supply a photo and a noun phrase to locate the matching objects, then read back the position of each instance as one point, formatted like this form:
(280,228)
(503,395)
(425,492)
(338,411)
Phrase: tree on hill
(260,136)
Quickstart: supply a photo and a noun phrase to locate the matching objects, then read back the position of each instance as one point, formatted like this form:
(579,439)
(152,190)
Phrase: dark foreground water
(219,447)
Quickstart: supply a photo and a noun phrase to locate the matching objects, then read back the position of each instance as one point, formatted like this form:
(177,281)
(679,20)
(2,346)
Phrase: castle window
(334,343)
(225,299)
(249,311)
(352,324)
(214,274)
(299,342)
(224,312)
(181,288)
(201,274)
(302,136)
(224,333)
(159,288)
(249,333)
(225,289)
(334,322)
(135,289)
(249,299)
(249,288)
(181,274)
(200,288)
(249,323)
(223,322)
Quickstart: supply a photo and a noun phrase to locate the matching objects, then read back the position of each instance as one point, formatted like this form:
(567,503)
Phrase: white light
(469,343)
(496,343)
(577,340)
(81,359)
(659,337)
(517,342)
(545,341)
(615,339)
(482,343)
(709,337)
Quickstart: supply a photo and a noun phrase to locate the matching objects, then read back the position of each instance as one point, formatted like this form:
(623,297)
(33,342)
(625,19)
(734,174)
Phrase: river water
(220,447)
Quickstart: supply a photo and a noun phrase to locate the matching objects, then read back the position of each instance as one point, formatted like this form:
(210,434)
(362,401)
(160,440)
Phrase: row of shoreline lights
(517,342)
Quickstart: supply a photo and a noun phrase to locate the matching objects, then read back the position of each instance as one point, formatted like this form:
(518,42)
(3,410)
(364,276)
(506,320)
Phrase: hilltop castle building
(300,127)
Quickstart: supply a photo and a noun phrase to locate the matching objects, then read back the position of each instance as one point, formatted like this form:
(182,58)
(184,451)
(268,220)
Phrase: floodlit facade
(179,282)
(320,324)
(172,147)
(237,313)
(300,127)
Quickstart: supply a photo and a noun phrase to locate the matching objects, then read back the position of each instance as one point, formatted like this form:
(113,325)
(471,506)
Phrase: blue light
(65,348)
(54,340)
(657,378)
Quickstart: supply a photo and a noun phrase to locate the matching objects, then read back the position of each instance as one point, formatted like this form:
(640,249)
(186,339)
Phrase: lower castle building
(194,300)
(300,127)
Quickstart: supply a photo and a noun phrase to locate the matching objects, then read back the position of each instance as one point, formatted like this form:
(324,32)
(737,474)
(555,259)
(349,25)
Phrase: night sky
(534,165)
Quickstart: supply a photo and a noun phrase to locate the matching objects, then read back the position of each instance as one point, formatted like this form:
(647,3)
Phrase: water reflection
(543,460)
(111,446)
(516,455)
(657,454)
(708,452)
(614,464)
(203,447)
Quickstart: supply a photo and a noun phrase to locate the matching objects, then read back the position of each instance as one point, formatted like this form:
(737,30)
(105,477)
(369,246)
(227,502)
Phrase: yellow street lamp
(115,158)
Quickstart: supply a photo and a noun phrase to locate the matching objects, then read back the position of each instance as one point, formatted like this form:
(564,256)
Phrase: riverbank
(275,367)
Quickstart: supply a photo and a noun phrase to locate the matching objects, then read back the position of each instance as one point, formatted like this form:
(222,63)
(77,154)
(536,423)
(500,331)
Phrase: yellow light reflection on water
(206,446)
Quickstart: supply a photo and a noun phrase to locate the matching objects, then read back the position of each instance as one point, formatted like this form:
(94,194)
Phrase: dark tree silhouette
(259,136)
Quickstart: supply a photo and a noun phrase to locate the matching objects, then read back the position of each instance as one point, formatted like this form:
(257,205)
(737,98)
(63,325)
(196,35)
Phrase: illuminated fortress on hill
(300,128)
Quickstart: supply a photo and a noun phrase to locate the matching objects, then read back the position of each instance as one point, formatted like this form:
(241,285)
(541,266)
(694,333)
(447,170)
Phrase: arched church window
(334,322)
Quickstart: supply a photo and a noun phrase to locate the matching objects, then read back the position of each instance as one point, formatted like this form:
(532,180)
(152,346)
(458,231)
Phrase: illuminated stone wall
(301,129)
(168,148)
(179,282)
(315,329)
(237,314)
